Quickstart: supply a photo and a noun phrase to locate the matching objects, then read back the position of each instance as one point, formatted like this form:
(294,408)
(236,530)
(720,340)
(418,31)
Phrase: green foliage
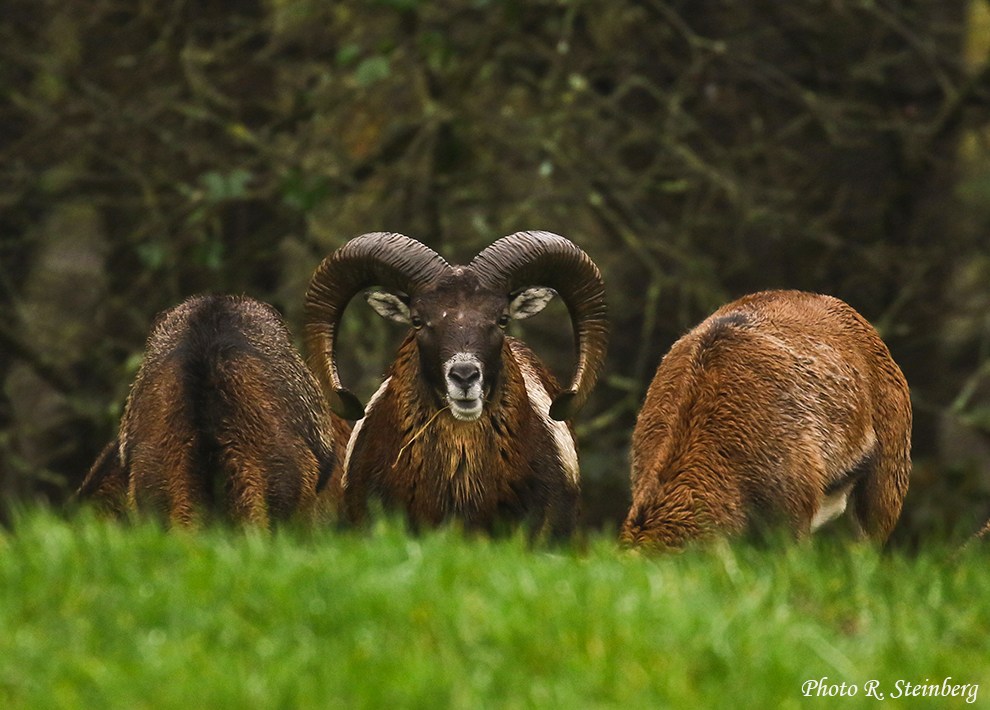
(348,54)
(219,187)
(303,193)
(370,70)
(107,616)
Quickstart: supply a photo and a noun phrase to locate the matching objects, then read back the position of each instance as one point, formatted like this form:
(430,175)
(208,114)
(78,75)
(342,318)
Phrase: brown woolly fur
(106,484)
(504,467)
(223,421)
(774,409)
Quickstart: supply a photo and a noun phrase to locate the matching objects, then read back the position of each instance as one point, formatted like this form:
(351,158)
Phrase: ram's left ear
(530,302)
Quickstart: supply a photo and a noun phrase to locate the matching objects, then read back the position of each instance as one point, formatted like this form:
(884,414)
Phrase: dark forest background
(698,150)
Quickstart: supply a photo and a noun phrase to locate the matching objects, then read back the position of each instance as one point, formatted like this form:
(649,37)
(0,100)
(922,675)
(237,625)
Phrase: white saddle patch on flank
(540,399)
(833,505)
(357,430)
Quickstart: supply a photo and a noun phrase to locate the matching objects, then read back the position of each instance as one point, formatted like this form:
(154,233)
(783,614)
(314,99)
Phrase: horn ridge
(386,259)
(540,258)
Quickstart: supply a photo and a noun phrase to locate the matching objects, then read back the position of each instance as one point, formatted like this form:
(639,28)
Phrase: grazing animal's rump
(223,420)
(780,406)
(468,422)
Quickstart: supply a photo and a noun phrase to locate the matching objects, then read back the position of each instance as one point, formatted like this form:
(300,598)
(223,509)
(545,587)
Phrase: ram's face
(459,333)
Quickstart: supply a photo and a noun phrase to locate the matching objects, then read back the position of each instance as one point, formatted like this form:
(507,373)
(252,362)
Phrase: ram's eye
(503,320)
(417,322)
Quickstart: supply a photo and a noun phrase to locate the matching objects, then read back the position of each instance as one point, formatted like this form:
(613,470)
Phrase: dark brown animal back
(243,399)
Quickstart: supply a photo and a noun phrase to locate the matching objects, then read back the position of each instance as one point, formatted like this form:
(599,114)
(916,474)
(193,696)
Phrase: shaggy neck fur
(436,467)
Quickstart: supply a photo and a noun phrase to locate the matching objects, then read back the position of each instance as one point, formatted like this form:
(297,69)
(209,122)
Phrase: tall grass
(99,615)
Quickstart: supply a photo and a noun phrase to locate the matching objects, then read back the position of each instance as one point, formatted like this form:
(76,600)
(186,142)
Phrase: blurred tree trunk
(57,324)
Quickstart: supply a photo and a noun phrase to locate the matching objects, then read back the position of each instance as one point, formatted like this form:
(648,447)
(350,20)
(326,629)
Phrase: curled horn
(383,259)
(527,259)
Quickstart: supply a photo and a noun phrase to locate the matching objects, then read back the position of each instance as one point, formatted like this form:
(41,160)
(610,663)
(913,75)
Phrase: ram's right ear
(389,306)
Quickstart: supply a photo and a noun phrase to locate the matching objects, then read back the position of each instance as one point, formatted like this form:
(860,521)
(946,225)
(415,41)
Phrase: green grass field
(100,615)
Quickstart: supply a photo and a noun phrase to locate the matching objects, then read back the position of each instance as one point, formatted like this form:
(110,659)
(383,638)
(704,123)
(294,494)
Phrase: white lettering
(902,688)
(871,689)
(820,688)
